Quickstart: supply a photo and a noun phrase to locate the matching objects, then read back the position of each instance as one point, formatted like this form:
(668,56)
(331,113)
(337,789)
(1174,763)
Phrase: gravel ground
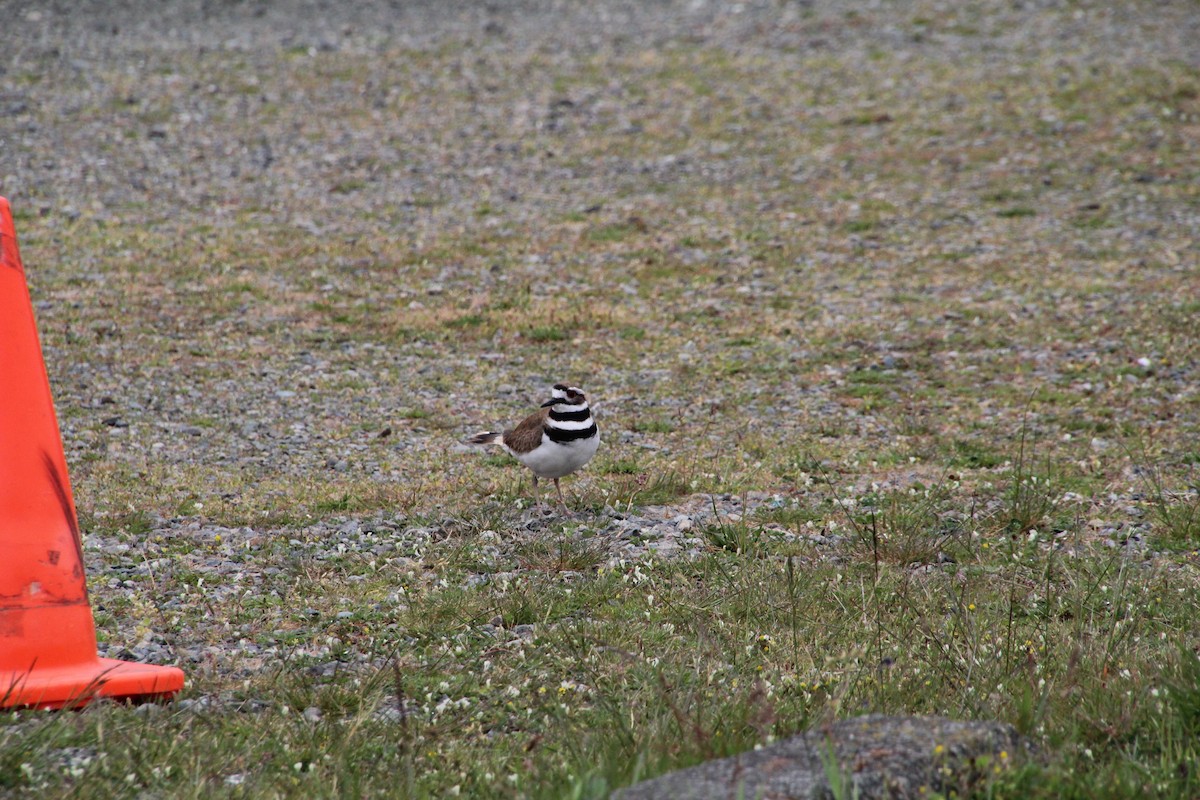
(202,126)
(227,562)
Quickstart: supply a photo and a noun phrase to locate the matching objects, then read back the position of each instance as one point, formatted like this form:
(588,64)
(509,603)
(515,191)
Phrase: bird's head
(563,395)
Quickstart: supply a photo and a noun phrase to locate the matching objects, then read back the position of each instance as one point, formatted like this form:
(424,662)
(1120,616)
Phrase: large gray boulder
(867,757)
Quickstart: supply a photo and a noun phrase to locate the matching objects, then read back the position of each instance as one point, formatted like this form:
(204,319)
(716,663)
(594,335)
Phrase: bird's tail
(486,437)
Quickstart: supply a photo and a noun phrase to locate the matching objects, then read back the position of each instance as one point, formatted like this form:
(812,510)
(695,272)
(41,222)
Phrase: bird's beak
(549,402)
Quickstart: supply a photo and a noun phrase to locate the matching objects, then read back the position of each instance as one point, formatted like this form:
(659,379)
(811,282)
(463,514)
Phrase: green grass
(708,656)
(654,425)
(546,333)
(611,233)
(1016,211)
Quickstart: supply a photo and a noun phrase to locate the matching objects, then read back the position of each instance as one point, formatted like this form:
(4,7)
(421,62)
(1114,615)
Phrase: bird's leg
(537,498)
(561,502)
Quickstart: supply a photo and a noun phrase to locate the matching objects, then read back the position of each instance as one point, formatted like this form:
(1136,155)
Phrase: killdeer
(554,441)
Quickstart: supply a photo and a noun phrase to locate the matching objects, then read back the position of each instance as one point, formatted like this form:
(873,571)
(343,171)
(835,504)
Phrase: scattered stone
(870,757)
(525,632)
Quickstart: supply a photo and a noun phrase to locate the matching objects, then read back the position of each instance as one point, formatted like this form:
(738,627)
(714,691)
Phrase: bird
(554,441)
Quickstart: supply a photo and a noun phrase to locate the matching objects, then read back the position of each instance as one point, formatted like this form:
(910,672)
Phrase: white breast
(551,459)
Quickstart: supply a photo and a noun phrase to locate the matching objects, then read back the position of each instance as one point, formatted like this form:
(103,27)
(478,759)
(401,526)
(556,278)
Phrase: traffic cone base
(56,676)
(48,653)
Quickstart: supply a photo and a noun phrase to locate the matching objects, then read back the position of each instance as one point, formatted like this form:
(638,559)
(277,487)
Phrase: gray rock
(875,756)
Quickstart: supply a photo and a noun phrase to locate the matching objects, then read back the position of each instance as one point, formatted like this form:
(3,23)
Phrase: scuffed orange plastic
(48,655)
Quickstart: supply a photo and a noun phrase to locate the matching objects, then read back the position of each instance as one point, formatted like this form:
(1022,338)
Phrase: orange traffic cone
(48,653)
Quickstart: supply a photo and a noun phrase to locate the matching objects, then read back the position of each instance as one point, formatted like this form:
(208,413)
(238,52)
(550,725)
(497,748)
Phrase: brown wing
(528,434)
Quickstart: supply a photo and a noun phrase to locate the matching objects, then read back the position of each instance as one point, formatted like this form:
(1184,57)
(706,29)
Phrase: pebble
(526,632)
